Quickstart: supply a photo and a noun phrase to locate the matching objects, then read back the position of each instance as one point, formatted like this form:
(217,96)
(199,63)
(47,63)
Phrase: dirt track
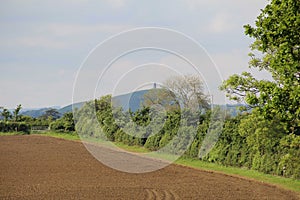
(38,167)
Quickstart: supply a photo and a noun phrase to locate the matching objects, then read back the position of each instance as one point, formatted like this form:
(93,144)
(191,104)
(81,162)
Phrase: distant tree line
(51,119)
(13,122)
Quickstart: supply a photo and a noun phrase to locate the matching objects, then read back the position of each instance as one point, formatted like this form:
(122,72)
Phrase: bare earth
(39,167)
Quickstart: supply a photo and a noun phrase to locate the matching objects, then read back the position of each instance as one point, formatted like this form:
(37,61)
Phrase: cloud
(35,86)
(220,17)
(61,35)
(229,4)
(196,4)
(61,72)
(236,62)
(116,3)
(222,23)
(40,41)
(63,30)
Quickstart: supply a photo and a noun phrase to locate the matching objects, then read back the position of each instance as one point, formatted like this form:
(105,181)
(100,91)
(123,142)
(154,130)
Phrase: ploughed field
(39,167)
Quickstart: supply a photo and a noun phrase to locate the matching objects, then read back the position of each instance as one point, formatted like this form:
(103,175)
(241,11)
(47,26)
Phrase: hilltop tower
(154,86)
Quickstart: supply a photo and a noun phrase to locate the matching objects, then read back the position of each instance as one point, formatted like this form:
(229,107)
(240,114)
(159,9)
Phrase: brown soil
(38,167)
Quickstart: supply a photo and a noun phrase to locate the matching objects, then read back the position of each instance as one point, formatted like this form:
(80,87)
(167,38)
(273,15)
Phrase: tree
(51,113)
(105,116)
(65,123)
(186,91)
(68,120)
(16,112)
(277,39)
(162,97)
(6,114)
(263,139)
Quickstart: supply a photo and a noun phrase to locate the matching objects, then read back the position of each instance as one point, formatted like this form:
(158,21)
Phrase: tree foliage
(277,39)
(65,123)
(6,114)
(16,112)
(161,97)
(185,91)
(51,114)
(11,126)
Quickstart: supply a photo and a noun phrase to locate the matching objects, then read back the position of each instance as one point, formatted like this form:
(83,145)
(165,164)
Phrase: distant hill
(69,108)
(131,100)
(41,111)
(35,113)
(126,101)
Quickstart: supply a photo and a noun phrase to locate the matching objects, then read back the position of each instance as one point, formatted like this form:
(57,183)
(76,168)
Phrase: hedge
(15,127)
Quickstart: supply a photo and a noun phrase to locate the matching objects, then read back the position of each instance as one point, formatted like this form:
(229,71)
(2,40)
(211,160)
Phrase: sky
(43,44)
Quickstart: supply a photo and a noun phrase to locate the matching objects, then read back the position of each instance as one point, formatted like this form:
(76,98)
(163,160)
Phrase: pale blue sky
(43,43)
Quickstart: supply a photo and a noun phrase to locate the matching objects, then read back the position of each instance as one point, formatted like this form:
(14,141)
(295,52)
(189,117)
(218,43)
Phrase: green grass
(12,133)
(136,149)
(67,136)
(287,183)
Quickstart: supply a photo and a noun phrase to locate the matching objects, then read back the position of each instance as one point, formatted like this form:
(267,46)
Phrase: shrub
(15,127)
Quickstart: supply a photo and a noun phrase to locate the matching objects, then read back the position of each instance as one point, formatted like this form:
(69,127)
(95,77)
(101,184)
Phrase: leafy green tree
(66,123)
(26,119)
(68,120)
(16,112)
(263,138)
(289,164)
(141,117)
(105,116)
(6,114)
(51,113)
(277,40)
